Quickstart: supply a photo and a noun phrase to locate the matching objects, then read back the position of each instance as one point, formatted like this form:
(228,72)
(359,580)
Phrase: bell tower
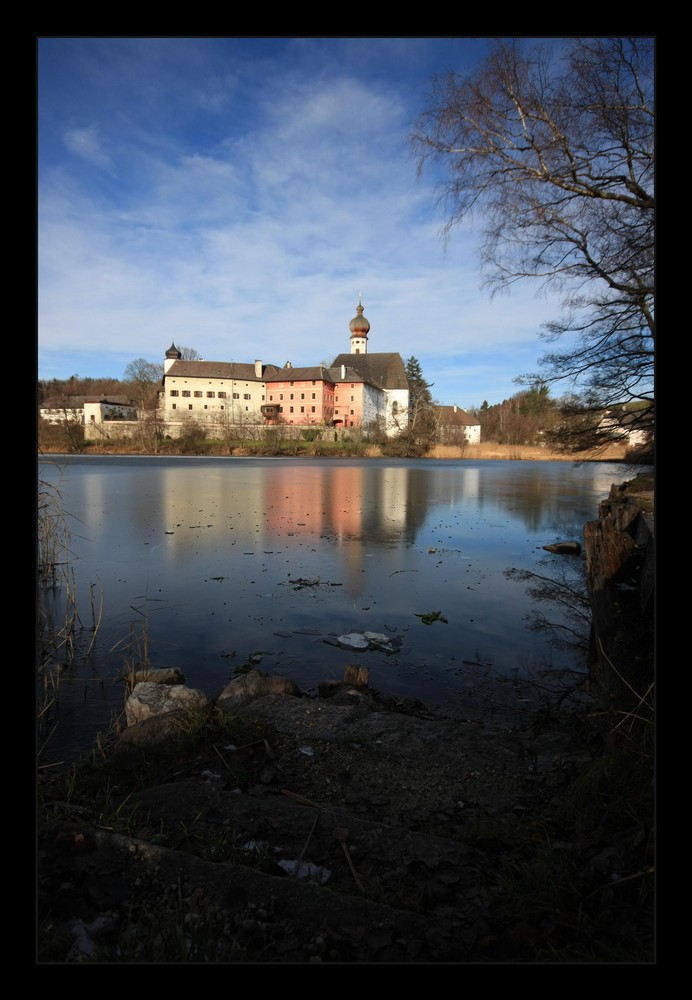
(359,328)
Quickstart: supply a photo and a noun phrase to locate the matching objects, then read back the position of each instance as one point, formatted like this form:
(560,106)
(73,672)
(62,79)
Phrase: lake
(213,565)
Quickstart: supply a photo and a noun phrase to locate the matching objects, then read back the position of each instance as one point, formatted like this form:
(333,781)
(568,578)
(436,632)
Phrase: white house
(456,425)
(87,410)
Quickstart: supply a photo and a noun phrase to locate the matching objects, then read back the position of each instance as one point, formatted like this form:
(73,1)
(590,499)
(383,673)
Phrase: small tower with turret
(172,354)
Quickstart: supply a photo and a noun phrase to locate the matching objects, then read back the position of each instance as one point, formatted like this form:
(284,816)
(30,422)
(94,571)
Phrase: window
(302,395)
(174,406)
(336,398)
(222,395)
(281,395)
(189,406)
(395,408)
(174,392)
(352,398)
(290,409)
(312,408)
(206,407)
(210,395)
(222,407)
(236,395)
(302,409)
(313,395)
(186,392)
(198,394)
(291,396)
(246,395)
(291,383)
(352,385)
(351,415)
(271,399)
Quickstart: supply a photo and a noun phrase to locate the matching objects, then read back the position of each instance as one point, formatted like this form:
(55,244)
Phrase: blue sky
(236,195)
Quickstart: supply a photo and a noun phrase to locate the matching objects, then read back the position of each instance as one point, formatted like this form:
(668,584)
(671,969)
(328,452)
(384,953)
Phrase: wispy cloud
(88,143)
(246,192)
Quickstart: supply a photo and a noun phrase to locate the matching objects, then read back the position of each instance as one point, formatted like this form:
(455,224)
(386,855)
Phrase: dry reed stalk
(96,623)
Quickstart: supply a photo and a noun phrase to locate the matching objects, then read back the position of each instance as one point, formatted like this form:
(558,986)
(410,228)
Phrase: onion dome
(173,353)
(359,326)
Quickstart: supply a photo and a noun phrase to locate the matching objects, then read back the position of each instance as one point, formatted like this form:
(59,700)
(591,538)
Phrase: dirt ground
(348,829)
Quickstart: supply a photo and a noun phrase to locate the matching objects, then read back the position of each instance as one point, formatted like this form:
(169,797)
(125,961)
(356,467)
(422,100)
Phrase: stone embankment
(620,568)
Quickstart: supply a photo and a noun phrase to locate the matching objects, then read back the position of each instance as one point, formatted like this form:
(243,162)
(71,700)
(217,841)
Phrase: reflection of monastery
(357,390)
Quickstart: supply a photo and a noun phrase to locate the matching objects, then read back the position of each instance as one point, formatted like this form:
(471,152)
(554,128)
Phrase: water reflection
(204,555)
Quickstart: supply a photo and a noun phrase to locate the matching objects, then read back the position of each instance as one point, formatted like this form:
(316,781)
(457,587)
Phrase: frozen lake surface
(213,563)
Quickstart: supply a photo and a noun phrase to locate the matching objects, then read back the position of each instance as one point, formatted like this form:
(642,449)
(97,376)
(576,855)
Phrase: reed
(60,630)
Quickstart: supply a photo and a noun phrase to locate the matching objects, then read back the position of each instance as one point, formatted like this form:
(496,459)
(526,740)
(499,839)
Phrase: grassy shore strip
(324,449)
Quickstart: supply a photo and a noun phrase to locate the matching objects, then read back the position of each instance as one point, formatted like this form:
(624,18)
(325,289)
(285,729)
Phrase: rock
(149,699)
(358,676)
(564,548)
(166,675)
(354,640)
(157,729)
(255,684)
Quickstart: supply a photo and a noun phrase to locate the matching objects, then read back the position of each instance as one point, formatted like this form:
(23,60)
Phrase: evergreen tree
(420,396)
(422,410)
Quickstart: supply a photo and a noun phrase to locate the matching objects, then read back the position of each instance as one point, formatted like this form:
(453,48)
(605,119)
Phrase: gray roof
(312,373)
(77,402)
(460,418)
(386,371)
(238,371)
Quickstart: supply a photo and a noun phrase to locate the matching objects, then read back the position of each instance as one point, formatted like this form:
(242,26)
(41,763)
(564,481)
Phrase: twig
(300,798)
(341,836)
(299,862)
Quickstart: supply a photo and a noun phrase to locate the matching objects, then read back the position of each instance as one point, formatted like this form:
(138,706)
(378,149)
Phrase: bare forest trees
(145,379)
(553,147)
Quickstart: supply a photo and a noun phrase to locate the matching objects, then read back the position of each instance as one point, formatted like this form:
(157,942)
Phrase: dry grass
(471,452)
(526,453)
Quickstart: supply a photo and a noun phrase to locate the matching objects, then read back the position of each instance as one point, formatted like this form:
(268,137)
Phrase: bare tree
(554,148)
(190,354)
(145,378)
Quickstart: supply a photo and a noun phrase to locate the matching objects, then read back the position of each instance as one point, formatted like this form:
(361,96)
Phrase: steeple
(359,328)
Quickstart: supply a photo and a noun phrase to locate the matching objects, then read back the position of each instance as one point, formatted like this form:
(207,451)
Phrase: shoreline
(482,452)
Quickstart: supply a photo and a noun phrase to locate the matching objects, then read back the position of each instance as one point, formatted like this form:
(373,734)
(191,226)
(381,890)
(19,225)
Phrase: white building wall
(63,415)
(201,398)
(98,413)
(473,433)
(374,404)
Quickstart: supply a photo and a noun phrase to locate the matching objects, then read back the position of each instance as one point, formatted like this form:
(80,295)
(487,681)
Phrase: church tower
(359,328)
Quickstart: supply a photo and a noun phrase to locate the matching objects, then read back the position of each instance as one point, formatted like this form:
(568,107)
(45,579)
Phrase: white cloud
(88,143)
(246,226)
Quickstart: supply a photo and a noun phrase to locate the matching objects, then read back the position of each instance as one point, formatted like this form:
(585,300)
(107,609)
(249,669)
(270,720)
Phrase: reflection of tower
(359,328)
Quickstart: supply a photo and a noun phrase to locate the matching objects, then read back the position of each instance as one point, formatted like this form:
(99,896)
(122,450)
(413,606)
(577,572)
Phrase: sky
(237,195)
